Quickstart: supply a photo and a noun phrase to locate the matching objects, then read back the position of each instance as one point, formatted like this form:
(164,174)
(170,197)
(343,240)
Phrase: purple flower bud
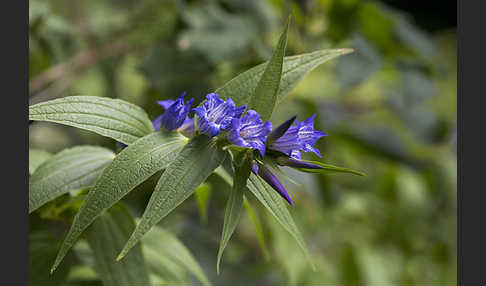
(273,181)
(216,114)
(175,114)
(250,131)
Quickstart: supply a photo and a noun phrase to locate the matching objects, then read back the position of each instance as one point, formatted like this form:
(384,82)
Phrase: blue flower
(250,131)
(216,114)
(175,113)
(299,137)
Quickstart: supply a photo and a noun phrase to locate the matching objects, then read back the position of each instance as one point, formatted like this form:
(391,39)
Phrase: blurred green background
(389,110)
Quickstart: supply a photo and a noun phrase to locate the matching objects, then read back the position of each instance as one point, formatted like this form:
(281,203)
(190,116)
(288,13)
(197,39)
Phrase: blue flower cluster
(216,115)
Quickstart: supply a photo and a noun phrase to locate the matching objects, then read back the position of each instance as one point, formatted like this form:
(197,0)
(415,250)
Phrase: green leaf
(199,158)
(131,166)
(36,158)
(71,169)
(293,71)
(202,194)
(114,118)
(274,204)
(326,168)
(43,246)
(234,206)
(258,228)
(106,236)
(264,97)
(164,250)
(220,171)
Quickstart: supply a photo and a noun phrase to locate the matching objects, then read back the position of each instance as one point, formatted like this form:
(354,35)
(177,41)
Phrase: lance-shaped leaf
(36,158)
(293,71)
(326,168)
(264,97)
(274,204)
(199,158)
(167,256)
(71,169)
(223,174)
(234,206)
(132,166)
(258,228)
(105,237)
(114,118)
(202,194)
(220,171)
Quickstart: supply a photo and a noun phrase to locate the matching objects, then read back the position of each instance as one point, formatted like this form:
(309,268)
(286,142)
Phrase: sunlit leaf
(114,118)
(105,237)
(293,71)
(71,169)
(135,164)
(199,158)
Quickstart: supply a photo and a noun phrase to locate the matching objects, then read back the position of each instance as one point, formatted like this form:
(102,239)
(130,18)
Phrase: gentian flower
(175,113)
(250,131)
(272,180)
(297,138)
(216,114)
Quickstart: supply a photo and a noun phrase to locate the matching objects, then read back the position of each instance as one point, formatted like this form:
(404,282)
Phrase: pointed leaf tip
(264,98)
(326,168)
(345,51)
(234,206)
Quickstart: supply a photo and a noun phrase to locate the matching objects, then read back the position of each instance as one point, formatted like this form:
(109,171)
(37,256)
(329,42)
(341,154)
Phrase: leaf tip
(217,267)
(346,51)
(53,268)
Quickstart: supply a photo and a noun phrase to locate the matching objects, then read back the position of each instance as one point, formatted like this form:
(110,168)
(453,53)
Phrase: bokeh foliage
(389,109)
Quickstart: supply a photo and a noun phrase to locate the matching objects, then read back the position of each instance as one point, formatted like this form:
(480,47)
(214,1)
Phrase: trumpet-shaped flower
(297,138)
(216,114)
(175,114)
(250,131)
